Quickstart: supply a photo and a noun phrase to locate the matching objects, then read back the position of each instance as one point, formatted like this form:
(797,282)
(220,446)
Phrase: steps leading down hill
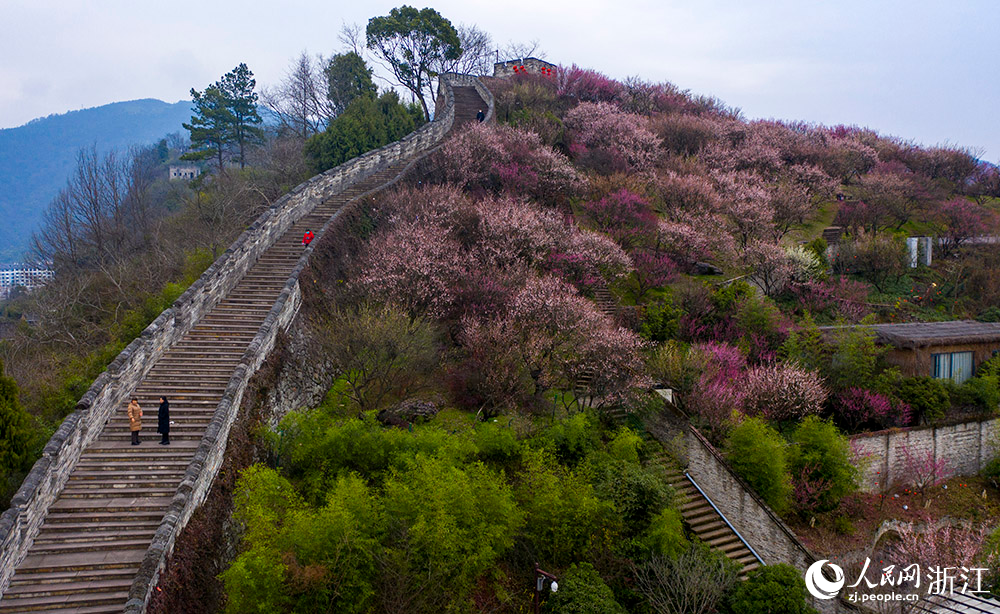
(705,521)
(97,532)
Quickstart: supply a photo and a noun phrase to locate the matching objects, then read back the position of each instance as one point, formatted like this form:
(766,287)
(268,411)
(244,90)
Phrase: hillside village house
(943,350)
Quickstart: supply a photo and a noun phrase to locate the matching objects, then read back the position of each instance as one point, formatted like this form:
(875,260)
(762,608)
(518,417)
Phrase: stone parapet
(47,478)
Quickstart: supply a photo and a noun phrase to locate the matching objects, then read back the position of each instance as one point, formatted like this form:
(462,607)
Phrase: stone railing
(48,476)
(958,449)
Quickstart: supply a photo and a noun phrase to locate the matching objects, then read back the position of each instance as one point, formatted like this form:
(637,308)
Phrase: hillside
(36,158)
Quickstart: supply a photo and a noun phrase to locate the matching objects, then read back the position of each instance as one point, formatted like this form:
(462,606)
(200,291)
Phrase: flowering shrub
(586,85)
(652,270)
(603,137)
(965,220)
(685,135)
(770,268)
(494,158)
(624,215)
(782,392)
(844,298)
(858,407)
(922,469)
(717,396)
(804,263)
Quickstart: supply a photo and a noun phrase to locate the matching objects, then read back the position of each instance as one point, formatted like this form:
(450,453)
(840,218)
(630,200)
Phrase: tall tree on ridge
(237,87)
(411,43)
(225,115)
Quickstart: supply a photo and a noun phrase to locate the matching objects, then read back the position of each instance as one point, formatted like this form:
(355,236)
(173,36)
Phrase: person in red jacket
(307,238)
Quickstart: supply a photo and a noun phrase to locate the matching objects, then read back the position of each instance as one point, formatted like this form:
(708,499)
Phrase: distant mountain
(37,158)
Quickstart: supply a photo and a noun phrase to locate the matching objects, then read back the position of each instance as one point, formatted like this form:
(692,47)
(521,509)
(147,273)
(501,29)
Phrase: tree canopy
(225,118)
(411,42)
(348,77)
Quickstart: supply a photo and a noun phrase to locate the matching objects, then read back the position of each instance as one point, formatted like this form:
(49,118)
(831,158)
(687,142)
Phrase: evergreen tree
(237,88)
(348,77)
(210,126)
(225,117)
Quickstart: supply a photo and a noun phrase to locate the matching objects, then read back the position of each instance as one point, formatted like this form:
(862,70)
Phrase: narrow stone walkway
(97,532)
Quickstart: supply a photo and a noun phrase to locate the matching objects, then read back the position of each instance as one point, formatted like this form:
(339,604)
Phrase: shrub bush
(782,392)
(774,589)
(927,396)
(694,582)
(857,408)
(756,452)
(982,392)
(820,462)
(582,591)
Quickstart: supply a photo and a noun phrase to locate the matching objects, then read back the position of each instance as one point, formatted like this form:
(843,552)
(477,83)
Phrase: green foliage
(366,124)
(821,455)
(771,589)
(414,43)
(818,247)
(380,352)
(805,346)
(582,591)
(449,524)
(573,438)
(671,364)
(563,514)
(927,396)
(856,356)
(15,426)
(636,494)
(497,444)
(626,446)
(990,367)
(756,452)
(348,77)
(225,118)
(660,319)
(665,535)
(982,392)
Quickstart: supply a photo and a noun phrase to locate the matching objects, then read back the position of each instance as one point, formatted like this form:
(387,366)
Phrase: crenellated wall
(20,523)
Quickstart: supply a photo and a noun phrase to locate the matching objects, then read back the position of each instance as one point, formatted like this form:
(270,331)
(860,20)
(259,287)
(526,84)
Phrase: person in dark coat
(481,116)
(163,422)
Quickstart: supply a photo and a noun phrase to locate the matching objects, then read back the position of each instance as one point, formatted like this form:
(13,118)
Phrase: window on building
(956,366)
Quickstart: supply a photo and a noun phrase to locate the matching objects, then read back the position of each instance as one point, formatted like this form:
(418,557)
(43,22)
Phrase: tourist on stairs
(163,422)
(134,420)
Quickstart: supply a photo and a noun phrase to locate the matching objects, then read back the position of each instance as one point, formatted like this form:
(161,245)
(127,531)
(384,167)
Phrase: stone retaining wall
(20,523)
(964,448)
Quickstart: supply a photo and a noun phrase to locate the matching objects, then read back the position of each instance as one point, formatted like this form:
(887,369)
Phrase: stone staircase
(98,530)
(705,521)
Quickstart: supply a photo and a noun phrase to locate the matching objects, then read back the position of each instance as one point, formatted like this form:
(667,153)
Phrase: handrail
(724,519)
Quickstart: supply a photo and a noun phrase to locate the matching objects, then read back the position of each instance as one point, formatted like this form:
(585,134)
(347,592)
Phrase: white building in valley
(28,276)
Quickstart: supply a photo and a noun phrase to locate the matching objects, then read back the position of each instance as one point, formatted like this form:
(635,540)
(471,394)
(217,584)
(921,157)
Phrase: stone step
(100,518)
(89,546)
(53,578)
(112,504)
(65,602)
(83,561)
(61,528)
(80,587)
(143,533)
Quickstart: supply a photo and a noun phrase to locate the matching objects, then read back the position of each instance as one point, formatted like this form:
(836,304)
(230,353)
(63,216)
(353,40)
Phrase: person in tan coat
(134,420)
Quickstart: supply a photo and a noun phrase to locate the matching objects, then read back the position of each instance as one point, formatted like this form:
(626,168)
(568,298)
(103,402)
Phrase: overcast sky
(924,70)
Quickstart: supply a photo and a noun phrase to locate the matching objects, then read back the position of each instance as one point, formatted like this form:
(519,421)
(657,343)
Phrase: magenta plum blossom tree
(416,266)
(964,220)
(857,407)
(769,267)
(946,546)
(586,85)
(547,339)
(782,392)
(652,270)
(625,216)
(606,138)
(485,158)
(679,196)
(922,469)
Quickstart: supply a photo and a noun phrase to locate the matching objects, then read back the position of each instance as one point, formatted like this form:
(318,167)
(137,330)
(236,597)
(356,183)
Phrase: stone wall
(20,523)
(766,533)
(965,449)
